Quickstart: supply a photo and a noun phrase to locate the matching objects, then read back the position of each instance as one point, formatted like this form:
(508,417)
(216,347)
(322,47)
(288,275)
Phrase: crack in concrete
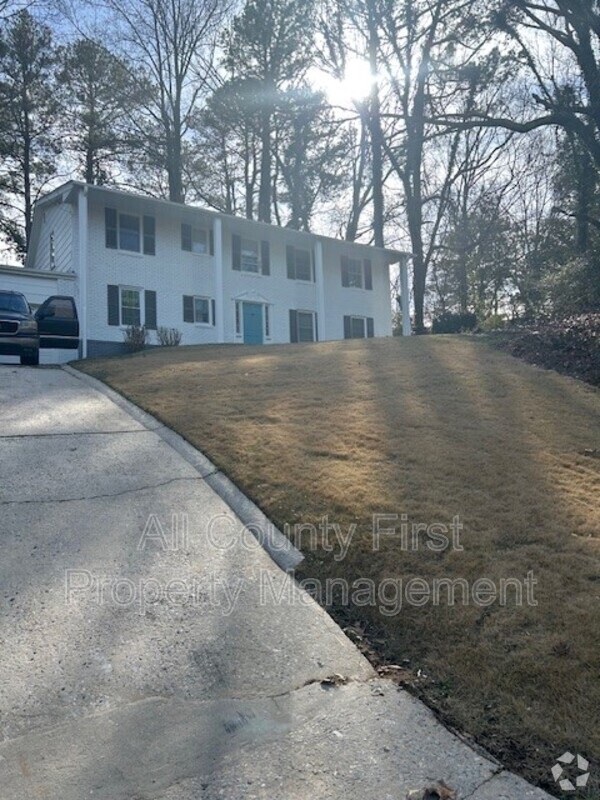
(498,771)
(76,433)
(107,494)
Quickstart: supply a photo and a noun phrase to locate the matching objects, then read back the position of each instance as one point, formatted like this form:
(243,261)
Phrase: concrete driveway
(150,648)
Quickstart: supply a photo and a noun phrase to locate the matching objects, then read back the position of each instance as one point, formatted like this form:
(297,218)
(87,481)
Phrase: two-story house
(133,260)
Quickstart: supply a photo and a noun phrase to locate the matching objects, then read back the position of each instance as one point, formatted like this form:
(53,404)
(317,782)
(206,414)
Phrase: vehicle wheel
(31,360)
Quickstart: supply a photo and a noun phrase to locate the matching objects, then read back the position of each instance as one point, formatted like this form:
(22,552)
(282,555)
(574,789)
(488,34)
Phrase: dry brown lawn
(431,428)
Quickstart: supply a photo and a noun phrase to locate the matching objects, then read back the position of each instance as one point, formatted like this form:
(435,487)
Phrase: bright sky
(355,85)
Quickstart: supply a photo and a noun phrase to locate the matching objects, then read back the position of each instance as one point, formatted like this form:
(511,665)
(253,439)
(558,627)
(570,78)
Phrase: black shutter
(312,266)
(368,274)
(347,327)
(149,231)
(113,304)
(213,312)
(370,328)
(265,261)
(110,229)
(186,237)
(290,261)
(188,308)
(150,310)
(345,279)
(236,251)
(316,327)
(293,326)
(211,242)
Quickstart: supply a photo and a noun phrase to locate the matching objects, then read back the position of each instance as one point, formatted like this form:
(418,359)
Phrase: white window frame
(312,314)
(140,292)
(364,324)
(210,319)
(361,272)
(311,273)
(140,220)
(258,270)
(194,230)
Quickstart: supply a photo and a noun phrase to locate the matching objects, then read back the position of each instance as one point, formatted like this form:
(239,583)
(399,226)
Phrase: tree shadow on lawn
(432,428)
(499,450)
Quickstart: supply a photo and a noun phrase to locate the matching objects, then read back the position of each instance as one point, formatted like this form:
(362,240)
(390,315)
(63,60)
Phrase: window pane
(305,327)
(130,297)
(63,308)
(303,265)
(358,328)
(130,307)
(130,316)
(129,233)
(201,310)
(355,273)
(199,240)
(249,255)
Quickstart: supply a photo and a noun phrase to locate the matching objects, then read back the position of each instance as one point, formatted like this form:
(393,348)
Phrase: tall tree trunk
(585,191)
(175,161)
(264,189)
(27,200)
(375,133)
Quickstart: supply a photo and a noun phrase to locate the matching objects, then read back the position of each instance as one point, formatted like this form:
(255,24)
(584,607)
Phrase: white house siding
(275,289)
(173,272)
(59,222)
(347,301)
(283,294)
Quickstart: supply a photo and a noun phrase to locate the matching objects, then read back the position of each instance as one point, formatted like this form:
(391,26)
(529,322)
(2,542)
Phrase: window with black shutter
(150,310)
(299,263)
(113,305)
(110,228)
(149,225)
(357,327)
(195,239)
(368,274)
(303,326)
(199,310)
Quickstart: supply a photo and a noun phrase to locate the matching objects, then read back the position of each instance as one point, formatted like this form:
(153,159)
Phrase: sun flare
(355,84)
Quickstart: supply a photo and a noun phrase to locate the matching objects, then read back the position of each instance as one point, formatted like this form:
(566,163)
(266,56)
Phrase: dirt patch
(424,430)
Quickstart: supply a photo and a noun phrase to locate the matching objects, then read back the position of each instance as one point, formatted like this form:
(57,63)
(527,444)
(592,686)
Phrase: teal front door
(253,323)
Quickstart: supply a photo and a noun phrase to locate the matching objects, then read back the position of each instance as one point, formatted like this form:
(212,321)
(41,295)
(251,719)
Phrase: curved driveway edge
(146,656)
(278,546)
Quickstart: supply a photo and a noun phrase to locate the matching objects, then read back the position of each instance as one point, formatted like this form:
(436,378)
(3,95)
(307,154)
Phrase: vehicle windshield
(13,302)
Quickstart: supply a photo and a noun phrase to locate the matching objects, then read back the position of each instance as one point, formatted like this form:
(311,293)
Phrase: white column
(82,212)
(405,297)
(218,267)
(320,286)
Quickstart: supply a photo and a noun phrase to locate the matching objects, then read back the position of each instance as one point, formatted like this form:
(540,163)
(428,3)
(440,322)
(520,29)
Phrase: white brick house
(214,277)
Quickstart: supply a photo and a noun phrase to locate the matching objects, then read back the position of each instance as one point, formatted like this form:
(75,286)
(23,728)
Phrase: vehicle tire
(31,360)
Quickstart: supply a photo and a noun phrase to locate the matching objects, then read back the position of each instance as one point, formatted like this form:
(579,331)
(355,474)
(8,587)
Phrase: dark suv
(18,328)
(54,324)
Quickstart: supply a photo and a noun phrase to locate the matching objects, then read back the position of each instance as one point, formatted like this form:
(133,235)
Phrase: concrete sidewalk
(151,649)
